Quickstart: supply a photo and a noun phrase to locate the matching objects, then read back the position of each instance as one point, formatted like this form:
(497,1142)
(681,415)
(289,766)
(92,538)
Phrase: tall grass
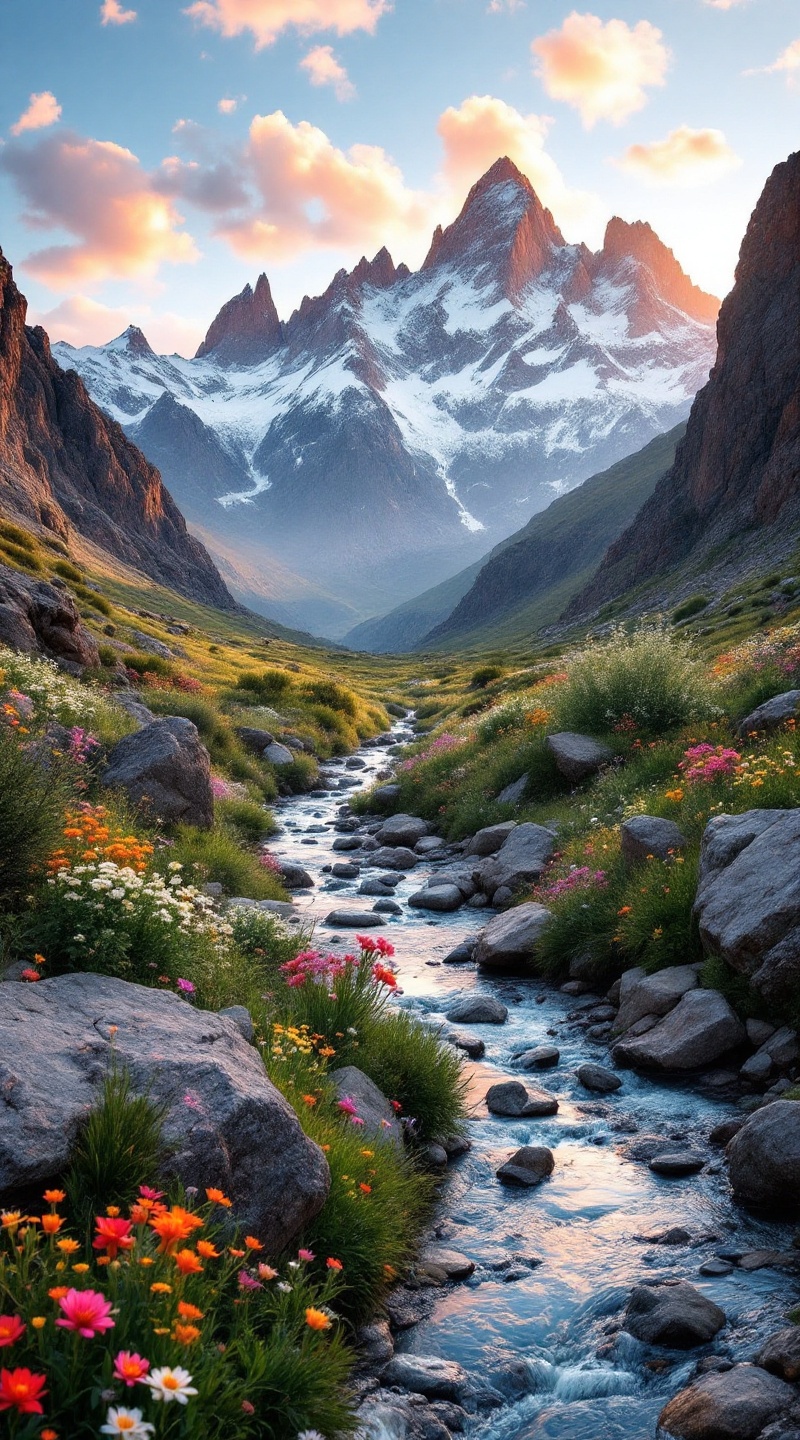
(649,677)
(119,1148)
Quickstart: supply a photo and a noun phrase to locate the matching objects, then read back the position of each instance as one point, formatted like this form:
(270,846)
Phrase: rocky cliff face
(247,328)
(65,464)
(737,472)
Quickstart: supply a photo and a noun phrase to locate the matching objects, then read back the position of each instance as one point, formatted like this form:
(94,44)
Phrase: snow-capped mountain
(417,418)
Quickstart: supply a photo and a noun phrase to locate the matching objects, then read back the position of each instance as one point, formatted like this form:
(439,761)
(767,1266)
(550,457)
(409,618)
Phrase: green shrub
(154,664)
(68,571)
(217,855)
(118,1149)
(649,677)
(16,535)
(484,676)
(248,820)
(268,685)
(90,597)
(691,607)
(32,801)
(108,655)
(411,1064)
(22,555)
(335,697)
(658,928)
(298,777)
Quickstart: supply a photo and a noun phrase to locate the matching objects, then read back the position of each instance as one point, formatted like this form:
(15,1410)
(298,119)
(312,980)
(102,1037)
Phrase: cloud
(226,106)
(685,157)
(323,68)
(601,69)
(481,128)
(499,7)
(43,109)
(112,13)
(100,194)
(725,4)
(267,19)
(83,321)
(787,63)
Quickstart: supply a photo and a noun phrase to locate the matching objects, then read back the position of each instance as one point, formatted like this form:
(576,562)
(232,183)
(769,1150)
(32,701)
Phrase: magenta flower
(87,1312)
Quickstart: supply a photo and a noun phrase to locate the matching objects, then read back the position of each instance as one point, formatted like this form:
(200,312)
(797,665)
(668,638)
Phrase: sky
(155,155)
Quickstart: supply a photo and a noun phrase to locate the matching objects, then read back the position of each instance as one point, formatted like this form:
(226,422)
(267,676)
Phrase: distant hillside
(401,629)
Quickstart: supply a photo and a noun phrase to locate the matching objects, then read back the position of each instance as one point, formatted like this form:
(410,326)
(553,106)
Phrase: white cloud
(322,68)
(43,110)
(686,157)
(81,320)
(113,13)
(265,20)
(787,63)
(602,69)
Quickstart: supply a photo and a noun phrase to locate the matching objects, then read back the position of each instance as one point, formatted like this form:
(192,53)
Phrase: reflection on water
(555,1265)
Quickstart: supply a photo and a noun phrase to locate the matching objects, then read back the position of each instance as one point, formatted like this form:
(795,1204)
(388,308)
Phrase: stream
(555,1264)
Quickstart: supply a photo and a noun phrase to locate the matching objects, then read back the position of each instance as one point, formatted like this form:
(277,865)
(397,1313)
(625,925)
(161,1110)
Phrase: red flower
(113,1235)
(21,1390)
(11,1328)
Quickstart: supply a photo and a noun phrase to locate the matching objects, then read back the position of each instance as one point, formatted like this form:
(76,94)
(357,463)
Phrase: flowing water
(555,1264)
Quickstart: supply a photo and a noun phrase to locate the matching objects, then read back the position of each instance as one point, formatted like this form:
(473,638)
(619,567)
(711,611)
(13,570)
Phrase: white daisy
(121,1421)
(170,1383)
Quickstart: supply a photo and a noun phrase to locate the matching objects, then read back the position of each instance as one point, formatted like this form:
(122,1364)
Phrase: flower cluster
(704,763)
(90,837)
(46,692)
(778,650)
(440,746)
(754,770)
(579,877)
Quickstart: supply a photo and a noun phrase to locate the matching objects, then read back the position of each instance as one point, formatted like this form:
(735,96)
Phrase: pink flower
(305,1255)
(246,1282)
(347,1106)
(87,1312)
(129,1368)
(148,1194)
(186,986)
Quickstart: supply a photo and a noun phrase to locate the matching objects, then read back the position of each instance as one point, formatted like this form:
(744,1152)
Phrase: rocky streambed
(526,1318)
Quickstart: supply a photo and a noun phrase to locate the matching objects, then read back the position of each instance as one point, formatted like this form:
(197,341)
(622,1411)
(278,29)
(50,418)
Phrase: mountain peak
(132,341)
(638,241)
(247,328)
(504,237)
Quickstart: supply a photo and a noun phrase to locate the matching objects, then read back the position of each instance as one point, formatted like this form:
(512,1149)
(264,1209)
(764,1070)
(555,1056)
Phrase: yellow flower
(159,1287)
(80,1269)
(38,1322)
(68,1247)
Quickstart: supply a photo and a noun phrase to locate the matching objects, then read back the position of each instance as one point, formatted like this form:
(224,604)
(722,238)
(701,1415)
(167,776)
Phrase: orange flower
(333,1264)
(159,1287)
(68,1247)
(218,1198)
(206,1249)
(317,1319)
(365,1188)
(139,1214)
(55,1197)
(187,1262)
(186,1334)
(58,1291)
(253,1244)
(237,1254)
(51,1224)
(174,1225)
(309,1099)
(40,960)
(626,910)
(189,1312)
(48,1435)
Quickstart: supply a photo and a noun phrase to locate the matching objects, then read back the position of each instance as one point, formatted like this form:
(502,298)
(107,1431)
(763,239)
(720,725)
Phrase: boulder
(380,1120)
(346,870)
(226,1124)
(430,845)
(540,1057)
(437,897)
(165,768)
(278,754)
(472,1045)
(451,1263)
(673,1314)
(488,841)
(403,830)
(428,1375)
(478,1010)
(514,794)
(294,876)
(748,899)
(350,919)
(38,616)
(242,1019)
(519,861)
(461,954)
(733,1404)
(396,857)
(645,835)
(641,994)
(385,795)
(346,843)
(780,1354)
(701,1028)
(256,741)
(764,1157)
(511,1097)
(510,938)
(598,1078)
(529,1166)
(133,706)
(673,1165)
(772,714)
(577,756)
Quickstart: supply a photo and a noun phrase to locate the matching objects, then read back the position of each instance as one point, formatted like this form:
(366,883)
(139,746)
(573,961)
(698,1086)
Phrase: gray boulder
(772,714)
(38,616)
(385,795)
(540,1057)
(350,919)
(452,1264)
(748,899)
(645,835)
(393,857)
(278,754)
(428,1375)
(403,830)
(672,1314)
(780,1354)
(731,1404)
(519,861)
(166,769)
(437,897)
(511,1097)
(514,794)
(699,1031)
(488,841)
(641,994)
(673,1165)
(764,1157)
(528,1166)
(511,938)
(598,1078)
(472,1045)
(577,756)
(380,1120)
(256,741)
(226,1124)
(294,876)
(478,1010)
(133,706)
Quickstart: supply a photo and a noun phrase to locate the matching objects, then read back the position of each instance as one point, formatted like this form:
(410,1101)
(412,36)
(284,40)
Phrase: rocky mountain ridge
(418,417)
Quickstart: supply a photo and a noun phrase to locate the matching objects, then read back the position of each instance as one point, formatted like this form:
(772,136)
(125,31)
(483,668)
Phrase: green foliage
(265,685)
(249,821)
(147,663)
(22,556)
(298,777)
(690,607)
(32,801)
(650,677)
(118,1149)
(68,571)
(216,855)
(484,676)
(412,1065)
(659,929)
(108,655)
(16,535)
(335,697)
(90,597)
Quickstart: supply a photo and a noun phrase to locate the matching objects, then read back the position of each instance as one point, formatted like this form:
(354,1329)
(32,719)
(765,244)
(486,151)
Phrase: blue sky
(127,193)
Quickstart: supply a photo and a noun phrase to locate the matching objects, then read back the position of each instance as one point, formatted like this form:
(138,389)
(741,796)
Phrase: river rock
(540,1057)
(472,1045)
(350,920)
(345,843)
(402,830)
(375,1344)
(646,835)
(733,1404)
(673,1164)
(380,1120)
(254,740)
(452,1264)
(510,938)
(345,870)
(780,1354)
(375,887)
(165,768)
(478,1010)
(428,1375)
(764,1157)
(512,1098)
(519,861)
(387,907)
(384,795)
(430,845)
(748,899)
(226,1124)
(597,1077)
(514,794)
(488,840)
(38,616)
(396,857)
(577,756)
(294,876)
(772,714)
(437,897)
(642,995)
(278,754)
(462,954)
(673,1314)
(701,1028)
(529,1166)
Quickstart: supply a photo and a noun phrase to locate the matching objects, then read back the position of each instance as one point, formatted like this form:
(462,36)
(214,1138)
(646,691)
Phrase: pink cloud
(100,194)
(267,19)
(685,157)
(725,4)
(43,109)
(322,68)
(226,106)
(787,63)
(83,321)
(603,70)
(112,13)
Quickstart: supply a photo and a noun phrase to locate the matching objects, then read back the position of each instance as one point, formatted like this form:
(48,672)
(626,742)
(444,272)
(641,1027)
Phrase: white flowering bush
(41,693)
(102,916)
